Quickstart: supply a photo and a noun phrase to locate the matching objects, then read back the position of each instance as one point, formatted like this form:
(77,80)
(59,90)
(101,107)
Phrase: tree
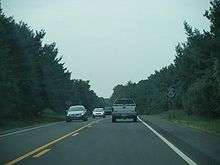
(195,75)
(33,76)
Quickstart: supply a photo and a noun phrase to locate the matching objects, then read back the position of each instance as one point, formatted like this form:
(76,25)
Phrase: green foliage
(203,98)
(32,75)
(203,123)
(195,75)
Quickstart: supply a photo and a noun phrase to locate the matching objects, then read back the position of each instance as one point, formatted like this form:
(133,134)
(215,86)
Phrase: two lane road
(95,142)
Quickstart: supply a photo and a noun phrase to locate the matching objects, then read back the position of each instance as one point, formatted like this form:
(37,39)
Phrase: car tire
(85,119)
(104,116)
(113,120)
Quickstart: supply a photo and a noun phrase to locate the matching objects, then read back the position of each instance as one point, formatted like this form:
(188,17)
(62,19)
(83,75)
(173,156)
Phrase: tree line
(33,77)
(194,75)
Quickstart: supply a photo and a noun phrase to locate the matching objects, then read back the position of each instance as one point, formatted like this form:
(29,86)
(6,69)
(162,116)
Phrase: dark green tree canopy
(33,76)
(195,75)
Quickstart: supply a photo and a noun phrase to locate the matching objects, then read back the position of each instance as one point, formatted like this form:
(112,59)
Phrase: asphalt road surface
(95,142)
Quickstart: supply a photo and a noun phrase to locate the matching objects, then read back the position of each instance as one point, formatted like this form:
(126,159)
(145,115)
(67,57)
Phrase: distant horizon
(113,42)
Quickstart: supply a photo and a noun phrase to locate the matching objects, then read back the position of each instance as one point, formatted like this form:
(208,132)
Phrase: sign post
(171,95)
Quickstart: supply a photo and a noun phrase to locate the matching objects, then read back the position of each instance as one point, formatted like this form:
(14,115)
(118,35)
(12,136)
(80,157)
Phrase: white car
(98,112)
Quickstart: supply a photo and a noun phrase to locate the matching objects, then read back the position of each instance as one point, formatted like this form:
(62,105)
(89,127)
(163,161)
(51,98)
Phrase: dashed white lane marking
(174,148)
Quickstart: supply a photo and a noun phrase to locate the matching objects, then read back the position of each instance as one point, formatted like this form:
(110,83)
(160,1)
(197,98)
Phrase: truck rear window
(124,101)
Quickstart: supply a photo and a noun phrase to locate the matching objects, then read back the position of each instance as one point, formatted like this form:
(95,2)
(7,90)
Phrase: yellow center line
(41,153)
(46,145)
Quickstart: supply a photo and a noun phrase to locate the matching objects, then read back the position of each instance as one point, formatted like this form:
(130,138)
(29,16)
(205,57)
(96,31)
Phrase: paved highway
(95,142)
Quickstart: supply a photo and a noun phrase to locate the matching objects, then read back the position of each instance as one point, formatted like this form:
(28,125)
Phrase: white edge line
(174,148)
(33,128)
(28,129)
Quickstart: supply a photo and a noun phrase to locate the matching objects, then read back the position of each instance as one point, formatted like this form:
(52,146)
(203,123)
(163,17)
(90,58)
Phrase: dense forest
(33,77)
(194,75)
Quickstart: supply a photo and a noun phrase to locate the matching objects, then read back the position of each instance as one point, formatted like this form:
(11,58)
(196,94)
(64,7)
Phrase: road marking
(174,148)
(75,134)
(46,145)
(41,153)
(89,126)
(28,129)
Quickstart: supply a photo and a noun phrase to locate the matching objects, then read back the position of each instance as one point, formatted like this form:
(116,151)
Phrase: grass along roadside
(12,124)
(205,124)
(209,125)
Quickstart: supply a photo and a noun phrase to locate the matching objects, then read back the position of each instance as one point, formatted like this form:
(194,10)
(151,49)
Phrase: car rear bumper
(124,115)
(69,118)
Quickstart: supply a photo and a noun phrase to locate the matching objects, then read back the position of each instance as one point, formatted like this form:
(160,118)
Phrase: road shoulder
(198,145)
(27,128)
(8,126)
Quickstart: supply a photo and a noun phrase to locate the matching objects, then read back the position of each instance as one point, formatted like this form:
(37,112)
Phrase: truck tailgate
(124,109)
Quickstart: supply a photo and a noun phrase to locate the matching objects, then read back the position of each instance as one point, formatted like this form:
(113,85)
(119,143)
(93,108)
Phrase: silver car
(77,112)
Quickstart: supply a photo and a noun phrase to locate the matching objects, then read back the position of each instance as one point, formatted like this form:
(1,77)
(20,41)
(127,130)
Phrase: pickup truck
(124,109)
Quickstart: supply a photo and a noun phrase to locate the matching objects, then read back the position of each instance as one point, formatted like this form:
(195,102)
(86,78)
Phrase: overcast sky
(111,41)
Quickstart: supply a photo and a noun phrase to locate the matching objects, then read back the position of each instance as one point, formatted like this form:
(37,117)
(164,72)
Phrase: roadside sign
(171,92)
